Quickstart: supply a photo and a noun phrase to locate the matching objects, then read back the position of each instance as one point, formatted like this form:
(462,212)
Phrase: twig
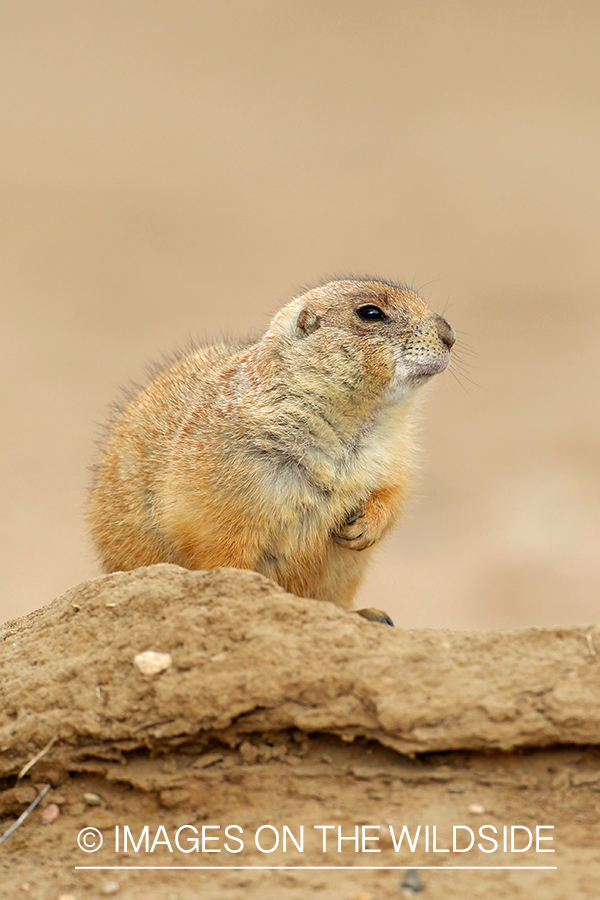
(37,757)
(24,815)
(590,642)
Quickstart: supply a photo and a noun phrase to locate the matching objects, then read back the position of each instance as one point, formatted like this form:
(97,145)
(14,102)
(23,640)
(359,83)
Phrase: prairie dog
(290,456)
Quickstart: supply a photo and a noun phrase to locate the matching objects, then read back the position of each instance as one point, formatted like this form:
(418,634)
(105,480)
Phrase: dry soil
(282,712)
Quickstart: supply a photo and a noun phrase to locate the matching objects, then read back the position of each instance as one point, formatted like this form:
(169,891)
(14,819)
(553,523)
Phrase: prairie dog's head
(378,340)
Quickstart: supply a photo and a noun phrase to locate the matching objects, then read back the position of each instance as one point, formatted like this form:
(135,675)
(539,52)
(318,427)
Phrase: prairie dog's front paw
(356,534)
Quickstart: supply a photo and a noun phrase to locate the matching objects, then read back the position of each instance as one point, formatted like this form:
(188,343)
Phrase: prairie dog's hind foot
(375,615)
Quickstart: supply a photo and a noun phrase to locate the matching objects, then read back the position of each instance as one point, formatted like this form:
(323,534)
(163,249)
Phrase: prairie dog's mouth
(411,372)
(428,367)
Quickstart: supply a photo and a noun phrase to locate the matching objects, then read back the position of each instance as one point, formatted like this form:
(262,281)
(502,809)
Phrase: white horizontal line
(350,868)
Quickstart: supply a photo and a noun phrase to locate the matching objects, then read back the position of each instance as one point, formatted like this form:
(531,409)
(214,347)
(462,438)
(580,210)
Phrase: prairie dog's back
(122,512)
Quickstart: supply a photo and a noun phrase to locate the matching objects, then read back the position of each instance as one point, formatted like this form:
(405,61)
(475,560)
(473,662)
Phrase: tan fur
(288,456)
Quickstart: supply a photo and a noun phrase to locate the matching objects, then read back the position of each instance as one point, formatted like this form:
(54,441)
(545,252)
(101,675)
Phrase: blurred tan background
(176,169)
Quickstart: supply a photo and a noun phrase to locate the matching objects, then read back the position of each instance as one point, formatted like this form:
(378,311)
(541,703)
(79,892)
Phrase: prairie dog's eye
(370,313)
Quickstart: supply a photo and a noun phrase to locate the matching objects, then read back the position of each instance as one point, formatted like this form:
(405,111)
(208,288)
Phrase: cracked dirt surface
(277,711)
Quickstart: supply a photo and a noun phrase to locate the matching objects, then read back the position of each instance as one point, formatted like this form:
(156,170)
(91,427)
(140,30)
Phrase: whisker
(470,361)
(457,379)
(427,283)
(466,377)
(460,345)
(467,364)
(447,305)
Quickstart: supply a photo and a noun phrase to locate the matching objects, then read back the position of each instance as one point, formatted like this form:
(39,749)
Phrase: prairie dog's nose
(445,331)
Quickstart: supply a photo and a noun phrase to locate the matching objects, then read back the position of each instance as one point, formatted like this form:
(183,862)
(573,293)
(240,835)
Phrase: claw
(375,615)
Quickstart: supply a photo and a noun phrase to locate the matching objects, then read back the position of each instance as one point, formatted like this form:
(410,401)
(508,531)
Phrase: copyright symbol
(89,840)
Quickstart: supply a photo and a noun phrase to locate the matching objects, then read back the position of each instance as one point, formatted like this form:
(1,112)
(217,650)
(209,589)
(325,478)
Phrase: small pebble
(50,813)
(248,752)
(411,883)
(110,887)
(92,799)
(477,809)
(152,663)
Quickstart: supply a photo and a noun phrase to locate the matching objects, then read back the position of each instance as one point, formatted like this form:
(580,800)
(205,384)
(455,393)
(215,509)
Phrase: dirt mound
(269,711)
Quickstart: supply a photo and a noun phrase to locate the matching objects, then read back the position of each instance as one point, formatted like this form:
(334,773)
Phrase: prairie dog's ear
(308,321)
